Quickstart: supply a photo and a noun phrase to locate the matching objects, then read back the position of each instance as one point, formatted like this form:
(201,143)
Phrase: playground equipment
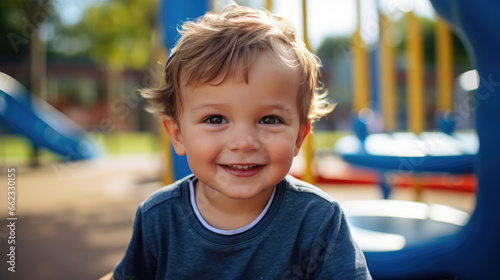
(43,125)
(470,250)
(415,151)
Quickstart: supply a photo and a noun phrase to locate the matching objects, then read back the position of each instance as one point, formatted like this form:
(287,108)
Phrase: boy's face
(240,139)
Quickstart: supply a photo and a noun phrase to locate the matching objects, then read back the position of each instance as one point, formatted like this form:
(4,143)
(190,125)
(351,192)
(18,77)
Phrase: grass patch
(17,150)
(326,139)
(129,143)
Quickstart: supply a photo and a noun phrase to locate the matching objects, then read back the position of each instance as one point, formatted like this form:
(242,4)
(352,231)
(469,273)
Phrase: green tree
(119,36)
(20,25)
(120,32)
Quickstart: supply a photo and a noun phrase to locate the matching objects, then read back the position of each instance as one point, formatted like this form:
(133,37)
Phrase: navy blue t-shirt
(303,235)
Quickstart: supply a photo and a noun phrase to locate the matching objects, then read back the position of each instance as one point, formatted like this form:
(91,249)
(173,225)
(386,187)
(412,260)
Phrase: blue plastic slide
(35,119)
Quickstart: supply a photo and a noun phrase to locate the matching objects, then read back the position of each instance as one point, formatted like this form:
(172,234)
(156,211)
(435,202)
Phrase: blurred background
(88,59)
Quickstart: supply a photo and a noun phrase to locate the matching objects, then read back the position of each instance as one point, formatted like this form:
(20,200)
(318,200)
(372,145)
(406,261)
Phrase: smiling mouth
(242,167)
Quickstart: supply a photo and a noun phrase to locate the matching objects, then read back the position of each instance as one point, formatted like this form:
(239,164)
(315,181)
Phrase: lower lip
(242,173)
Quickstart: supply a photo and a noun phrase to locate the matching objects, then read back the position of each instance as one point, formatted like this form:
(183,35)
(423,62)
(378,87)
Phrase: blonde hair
(211,48)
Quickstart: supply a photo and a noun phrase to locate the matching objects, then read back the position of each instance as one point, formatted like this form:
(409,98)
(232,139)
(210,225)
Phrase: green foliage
(428,27)
(120,32)
(331,47)
(114,33)
(19,20)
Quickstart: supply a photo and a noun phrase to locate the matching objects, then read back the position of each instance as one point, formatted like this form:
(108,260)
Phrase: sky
(325,17)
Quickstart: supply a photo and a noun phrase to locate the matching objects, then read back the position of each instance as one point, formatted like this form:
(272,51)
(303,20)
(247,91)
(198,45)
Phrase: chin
(240,192)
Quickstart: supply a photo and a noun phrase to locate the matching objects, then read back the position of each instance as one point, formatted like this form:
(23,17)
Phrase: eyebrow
(208,105)
(286,108)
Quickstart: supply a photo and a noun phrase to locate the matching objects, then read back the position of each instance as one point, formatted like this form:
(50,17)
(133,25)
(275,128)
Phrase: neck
(226,213)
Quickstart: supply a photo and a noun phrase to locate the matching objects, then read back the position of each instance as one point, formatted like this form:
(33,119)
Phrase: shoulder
(164,194)
(301,188)
(310,199)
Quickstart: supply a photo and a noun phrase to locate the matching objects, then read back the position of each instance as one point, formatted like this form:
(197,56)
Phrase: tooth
(242,167)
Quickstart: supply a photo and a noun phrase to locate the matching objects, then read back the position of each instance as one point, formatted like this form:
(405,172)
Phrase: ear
(174,133)
(301,136)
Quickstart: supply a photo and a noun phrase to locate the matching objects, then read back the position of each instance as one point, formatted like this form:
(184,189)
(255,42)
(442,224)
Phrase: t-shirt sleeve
(138,262)
(335,254)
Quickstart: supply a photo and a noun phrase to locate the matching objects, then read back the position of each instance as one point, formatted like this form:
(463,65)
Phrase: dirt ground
(74,220)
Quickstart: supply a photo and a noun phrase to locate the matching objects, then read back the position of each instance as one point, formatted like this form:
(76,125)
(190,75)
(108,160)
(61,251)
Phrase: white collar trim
(221,231)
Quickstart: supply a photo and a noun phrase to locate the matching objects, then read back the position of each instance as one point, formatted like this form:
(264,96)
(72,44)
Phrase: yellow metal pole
(308,142)
(269,5)
(304,24)
(414,75)
(359,68)
(308,159)
(444,75)
(168,177)
(387,71)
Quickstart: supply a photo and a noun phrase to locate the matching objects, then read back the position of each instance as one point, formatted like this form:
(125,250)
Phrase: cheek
(202,147)
(281,150)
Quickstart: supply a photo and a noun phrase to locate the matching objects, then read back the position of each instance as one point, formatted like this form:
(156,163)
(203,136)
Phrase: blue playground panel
(35,119)
(407,152)
(172,14)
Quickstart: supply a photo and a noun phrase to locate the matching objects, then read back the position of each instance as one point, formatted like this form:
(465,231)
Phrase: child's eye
(215,119)
(270,120)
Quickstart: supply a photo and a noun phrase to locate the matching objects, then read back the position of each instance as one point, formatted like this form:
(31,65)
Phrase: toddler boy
(239,97)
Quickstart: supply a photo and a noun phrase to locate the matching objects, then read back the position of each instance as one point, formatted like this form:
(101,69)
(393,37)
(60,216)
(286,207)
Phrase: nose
(244,138)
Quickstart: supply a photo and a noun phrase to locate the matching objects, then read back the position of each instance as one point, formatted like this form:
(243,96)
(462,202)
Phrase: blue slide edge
(35,119)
